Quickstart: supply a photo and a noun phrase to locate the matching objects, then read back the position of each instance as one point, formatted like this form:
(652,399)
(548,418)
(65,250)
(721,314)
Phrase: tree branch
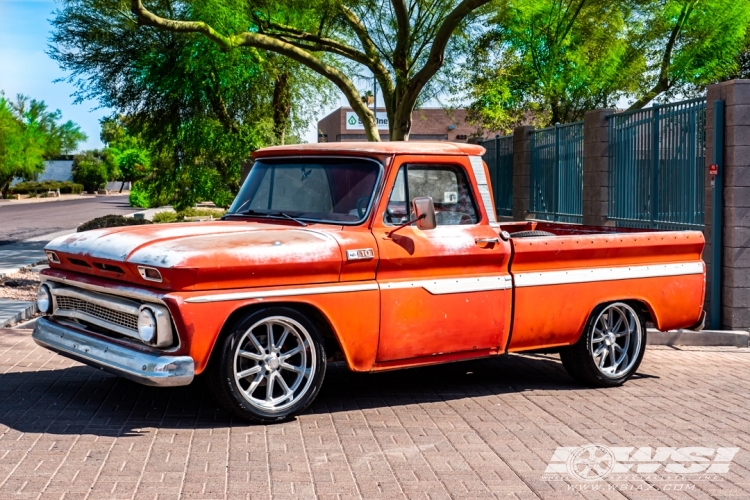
(663,84)
(266,42)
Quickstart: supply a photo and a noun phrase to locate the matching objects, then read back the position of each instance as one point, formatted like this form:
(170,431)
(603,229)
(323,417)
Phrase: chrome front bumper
(146,369)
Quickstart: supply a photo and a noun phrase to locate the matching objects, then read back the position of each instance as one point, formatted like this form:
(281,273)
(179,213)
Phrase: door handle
(485,242)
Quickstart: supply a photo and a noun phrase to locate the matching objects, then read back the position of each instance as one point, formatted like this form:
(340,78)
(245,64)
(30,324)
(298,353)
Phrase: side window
(446,185)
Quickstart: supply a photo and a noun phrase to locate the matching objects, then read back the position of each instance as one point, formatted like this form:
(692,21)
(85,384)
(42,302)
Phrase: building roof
(374,148)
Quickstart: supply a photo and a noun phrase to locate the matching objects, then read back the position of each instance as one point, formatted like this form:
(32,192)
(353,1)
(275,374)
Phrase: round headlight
(147,325)
(44,299)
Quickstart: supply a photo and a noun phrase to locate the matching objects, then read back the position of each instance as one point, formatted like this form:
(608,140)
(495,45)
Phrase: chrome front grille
(73,304)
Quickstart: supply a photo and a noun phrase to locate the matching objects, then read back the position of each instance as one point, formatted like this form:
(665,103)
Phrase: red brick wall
(427,124)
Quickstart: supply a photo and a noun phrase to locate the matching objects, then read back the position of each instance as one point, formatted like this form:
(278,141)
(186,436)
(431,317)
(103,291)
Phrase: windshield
(317,189)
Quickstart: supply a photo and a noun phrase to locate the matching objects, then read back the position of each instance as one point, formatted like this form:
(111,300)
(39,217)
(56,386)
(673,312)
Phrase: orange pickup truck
(383,255)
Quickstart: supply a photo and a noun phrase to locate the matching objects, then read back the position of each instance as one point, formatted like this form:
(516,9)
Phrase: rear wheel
(270,367)
(610,349)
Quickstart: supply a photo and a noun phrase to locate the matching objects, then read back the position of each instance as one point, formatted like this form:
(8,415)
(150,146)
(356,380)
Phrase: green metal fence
(499,160)
(557,173)
(656,162)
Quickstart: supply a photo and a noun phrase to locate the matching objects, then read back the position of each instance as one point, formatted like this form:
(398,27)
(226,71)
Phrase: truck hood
(222,254)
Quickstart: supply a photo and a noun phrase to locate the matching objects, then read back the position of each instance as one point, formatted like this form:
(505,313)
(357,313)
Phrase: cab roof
(374,148)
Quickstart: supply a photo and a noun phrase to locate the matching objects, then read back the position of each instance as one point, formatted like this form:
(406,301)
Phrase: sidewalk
(17,256)
(63,197)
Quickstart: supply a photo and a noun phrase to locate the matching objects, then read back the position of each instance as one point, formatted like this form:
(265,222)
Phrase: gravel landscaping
(19,286)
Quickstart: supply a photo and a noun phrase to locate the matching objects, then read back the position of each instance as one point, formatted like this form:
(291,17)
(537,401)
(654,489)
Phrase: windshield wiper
(272,215)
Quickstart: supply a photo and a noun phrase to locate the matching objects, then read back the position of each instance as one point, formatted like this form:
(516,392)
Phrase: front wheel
(610,349)
(270,367)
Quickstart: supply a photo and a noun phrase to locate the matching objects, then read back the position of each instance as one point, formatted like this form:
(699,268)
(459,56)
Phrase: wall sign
(354,123)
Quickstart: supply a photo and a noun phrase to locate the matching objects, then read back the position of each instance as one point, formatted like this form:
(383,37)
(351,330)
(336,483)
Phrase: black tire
(530,234)
(240,394)
(580,360)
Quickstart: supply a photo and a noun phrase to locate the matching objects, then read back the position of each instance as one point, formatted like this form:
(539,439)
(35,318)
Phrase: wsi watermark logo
(675,466)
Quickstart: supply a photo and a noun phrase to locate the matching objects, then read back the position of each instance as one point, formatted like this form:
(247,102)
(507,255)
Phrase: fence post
(717,212)
(596,167)
(655,164)
(735,265)
(521,172)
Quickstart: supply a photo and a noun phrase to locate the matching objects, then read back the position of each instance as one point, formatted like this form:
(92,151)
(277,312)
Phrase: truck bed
(558,280)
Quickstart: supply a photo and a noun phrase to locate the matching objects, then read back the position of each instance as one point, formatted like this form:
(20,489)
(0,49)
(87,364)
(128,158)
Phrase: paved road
(483,429)
(21,222)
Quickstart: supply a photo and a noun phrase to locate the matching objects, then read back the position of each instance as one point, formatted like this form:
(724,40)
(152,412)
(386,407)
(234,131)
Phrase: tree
(549,61)
(197,111)
(130,156)
(689,43)
(29,135)
(403,44)
(93,170)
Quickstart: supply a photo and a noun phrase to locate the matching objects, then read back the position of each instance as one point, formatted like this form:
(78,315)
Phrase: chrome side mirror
(424,211)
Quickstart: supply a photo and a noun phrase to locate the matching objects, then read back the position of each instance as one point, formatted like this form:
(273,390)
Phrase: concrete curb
(705,338)
(23,311)
(149,213)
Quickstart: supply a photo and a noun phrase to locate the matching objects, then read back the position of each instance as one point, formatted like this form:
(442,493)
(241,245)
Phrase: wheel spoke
(269,387)
(290,353)
(617,325)
(292,368)
(255,383)
(609,320)
(287,391)
(600,350)
(281,341)
(604,357)
(249,371)
(255,342)
(269,339)
(250,355)
(612,356)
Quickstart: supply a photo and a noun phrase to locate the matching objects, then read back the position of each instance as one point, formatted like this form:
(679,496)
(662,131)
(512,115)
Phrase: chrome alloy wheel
(616,339)
(274,363)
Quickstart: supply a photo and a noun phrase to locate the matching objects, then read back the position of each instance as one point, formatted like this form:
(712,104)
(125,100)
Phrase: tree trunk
(400,124)
(282,106)
(122,186)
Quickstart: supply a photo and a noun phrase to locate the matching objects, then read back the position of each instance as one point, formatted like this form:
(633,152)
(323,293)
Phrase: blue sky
(26,69)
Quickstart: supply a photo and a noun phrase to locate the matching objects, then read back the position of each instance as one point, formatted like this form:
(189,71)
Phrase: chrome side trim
(606,274)
(144,368)
(445,286)
(287,292)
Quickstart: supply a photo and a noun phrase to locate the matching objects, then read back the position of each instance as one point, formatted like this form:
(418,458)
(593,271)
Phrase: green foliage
(111,221)
(550,61)
(65,187)
(93,170)
(190,114)
(166,217)
(30,134)
(688,44)
(138,196)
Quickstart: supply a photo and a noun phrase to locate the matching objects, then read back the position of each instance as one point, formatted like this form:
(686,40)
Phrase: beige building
(428,124)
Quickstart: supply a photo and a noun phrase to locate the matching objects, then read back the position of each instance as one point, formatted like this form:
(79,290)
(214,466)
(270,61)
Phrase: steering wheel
(362,206)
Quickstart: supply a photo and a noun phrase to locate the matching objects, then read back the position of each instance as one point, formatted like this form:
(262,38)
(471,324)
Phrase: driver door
(443,291)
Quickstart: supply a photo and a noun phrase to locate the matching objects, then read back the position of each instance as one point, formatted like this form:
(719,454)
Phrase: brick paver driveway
(483,429)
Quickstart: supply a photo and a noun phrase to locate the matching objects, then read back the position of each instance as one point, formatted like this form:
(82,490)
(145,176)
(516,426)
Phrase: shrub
(65,187)
(111,221)
(163,217)
(90,170)
(139,197)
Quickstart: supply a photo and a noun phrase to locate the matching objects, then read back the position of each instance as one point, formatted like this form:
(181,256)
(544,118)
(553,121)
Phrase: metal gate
(656,162)
(499,160)
(557,173)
